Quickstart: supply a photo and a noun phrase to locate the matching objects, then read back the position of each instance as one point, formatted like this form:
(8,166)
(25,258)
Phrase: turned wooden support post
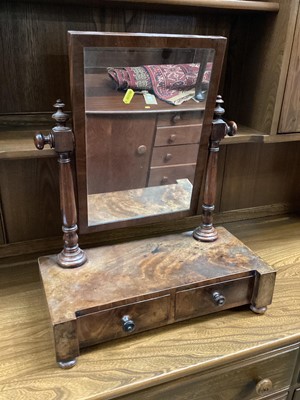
(206,231)
(61,139)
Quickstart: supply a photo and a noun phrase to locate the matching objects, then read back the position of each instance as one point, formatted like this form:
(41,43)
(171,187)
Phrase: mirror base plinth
(149,283)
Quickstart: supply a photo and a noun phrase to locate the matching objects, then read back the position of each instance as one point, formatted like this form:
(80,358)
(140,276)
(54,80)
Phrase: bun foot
(259,310)
(67,364)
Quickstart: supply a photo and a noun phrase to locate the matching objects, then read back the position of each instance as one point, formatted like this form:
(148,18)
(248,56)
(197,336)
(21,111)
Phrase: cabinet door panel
(118,151)
(290,113)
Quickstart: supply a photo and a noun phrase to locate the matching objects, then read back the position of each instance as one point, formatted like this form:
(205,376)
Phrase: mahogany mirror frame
(78,41)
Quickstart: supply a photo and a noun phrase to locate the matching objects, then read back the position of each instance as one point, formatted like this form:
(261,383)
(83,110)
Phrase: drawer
(172,155)
(168,175)
(173,135)
(212,298)
(109,324)
(236,381)
(180,118)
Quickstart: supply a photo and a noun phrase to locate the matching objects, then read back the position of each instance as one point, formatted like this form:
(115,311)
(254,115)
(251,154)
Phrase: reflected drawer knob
(172,138)
(164,180)
(176,118)
(168,157)
(264,386)
(219,299)
(142,149)
(128,324)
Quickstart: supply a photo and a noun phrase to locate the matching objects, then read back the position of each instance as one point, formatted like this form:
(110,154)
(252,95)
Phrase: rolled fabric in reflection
(172,83)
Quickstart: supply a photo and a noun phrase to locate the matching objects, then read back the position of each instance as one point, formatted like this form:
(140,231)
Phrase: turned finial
(219,110)
(60,116)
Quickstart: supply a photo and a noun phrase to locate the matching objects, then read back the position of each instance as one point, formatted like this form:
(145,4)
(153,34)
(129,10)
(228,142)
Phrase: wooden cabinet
(296,395)
(119,148)
(140,150)
(290,113)
(263,377)
(220,357)
(253,85)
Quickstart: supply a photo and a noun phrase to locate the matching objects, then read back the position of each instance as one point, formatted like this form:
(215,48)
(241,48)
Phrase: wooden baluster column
(206,231)
(62,140)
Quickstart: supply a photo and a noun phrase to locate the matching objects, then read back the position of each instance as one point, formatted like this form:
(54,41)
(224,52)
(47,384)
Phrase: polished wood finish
(114,162)
(61,138)
(108,208)
(174,155)
(175,274)
(219,344)
(206,232)
(174,135)
(122,138)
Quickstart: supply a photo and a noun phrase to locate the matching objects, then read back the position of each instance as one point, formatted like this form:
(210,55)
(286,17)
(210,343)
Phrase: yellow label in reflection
(128,96)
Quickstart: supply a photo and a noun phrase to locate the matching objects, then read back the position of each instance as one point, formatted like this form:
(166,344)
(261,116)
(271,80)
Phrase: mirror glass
(144,109)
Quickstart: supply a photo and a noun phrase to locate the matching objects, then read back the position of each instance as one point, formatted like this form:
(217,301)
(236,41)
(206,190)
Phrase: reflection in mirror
(144,111)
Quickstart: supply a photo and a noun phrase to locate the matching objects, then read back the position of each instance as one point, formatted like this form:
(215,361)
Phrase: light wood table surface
(27,361)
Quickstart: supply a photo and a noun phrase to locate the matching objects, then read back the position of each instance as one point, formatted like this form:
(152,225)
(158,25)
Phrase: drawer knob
(172,138)
(164,180)
(264,386)
(219,299)
(176,118)
(168,157)
(142,149)
(128,324)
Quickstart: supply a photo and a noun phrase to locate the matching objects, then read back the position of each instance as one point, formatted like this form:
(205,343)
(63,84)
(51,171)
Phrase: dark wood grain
(113,159)
(224,343)
(30,25)
(29,194)
(171,174)
(258,174)
(171,273)
(173,155)
(290,118)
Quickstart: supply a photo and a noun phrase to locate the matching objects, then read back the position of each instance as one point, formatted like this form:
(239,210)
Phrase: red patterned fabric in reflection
(173,83)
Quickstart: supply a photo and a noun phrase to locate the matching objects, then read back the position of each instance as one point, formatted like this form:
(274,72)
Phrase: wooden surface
(28,371)
(256,173)
(226,4)
(104,208)
(174,265)
(290,115)
(17,144)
